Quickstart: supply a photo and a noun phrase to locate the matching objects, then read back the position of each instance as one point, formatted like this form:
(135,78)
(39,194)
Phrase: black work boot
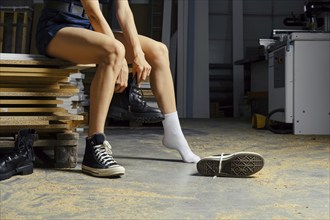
(98,160)
(129,105)
(20,161)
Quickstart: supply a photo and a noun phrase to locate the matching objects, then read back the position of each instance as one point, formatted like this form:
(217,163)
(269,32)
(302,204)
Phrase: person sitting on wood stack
(78,32)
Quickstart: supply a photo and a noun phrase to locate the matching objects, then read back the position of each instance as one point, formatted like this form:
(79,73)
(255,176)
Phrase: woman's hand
(122,79)
(141,67)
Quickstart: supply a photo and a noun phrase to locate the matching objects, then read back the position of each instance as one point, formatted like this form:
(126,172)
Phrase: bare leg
(162,86)
(83,46)
(160,78)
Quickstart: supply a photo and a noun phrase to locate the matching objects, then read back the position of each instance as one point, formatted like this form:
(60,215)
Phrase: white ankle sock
(174,138)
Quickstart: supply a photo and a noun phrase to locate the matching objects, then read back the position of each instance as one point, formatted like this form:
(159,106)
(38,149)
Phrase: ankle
(95,139)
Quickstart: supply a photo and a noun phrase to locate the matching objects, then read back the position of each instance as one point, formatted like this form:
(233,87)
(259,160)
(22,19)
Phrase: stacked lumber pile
(35,93)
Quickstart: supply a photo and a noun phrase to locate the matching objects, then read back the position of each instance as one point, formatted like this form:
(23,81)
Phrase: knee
(113,53)
(160,51)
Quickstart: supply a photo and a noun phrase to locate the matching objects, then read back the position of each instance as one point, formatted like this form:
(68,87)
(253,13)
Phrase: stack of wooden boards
(34,93)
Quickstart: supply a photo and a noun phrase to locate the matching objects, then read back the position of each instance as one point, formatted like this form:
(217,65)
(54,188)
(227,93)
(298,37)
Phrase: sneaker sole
(121,114)
(110,172)
(241,164)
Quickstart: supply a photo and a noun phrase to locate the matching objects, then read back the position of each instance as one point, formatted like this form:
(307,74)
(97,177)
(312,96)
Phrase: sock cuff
(171,121)
(171,114)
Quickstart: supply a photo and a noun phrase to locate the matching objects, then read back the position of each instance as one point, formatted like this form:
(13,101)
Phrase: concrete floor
(294,184)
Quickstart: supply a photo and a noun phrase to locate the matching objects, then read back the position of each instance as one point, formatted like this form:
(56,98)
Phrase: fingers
(121,84)
(143,73)
(141,67)
(119,88)
(122,79)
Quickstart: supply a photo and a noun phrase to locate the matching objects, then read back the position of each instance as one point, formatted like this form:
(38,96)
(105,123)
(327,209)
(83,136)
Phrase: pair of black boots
(129,105)
(20,160)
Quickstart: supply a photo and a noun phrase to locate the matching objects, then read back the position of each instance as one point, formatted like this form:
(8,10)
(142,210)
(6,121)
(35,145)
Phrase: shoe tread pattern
(239,166)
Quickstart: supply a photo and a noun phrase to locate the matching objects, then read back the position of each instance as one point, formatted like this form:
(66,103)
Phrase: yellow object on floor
(258,121)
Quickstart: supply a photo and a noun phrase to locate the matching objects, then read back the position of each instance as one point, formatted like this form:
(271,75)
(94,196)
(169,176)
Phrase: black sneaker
(130,105)
(98,160)
(241,164)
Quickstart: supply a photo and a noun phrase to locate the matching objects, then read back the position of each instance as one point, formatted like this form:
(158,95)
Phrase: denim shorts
(51,21)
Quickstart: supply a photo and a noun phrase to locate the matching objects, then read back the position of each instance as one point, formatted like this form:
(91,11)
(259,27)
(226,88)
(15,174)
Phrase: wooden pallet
(64,146)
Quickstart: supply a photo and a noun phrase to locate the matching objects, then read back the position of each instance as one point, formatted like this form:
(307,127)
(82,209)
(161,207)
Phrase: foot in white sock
(174,138)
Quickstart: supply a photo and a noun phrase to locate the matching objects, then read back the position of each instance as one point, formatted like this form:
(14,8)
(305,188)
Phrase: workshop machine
(299,72)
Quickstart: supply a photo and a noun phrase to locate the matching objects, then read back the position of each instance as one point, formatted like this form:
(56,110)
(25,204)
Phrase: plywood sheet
(29,102)
(38,70)
(51,117)
(23,122)
(37,94)
(34,80)
(66,90)
(28,74)
(45,128)
(31,59)
(50,85)
(11,109)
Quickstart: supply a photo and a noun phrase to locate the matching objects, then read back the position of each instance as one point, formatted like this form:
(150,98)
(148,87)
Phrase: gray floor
(294,184)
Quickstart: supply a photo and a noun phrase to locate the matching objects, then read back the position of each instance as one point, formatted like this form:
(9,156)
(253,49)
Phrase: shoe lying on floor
(20,161)
(240,164)
(129,105)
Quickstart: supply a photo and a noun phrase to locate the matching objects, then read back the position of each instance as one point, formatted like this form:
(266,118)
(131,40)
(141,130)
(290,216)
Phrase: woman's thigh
(80,45)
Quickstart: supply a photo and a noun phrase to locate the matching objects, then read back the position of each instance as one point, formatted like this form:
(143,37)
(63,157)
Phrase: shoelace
(107,147)
(103,154)
(140,94)
(220,165)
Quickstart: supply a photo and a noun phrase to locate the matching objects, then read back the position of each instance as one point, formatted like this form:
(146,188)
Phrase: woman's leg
(84,46)
(161,83)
